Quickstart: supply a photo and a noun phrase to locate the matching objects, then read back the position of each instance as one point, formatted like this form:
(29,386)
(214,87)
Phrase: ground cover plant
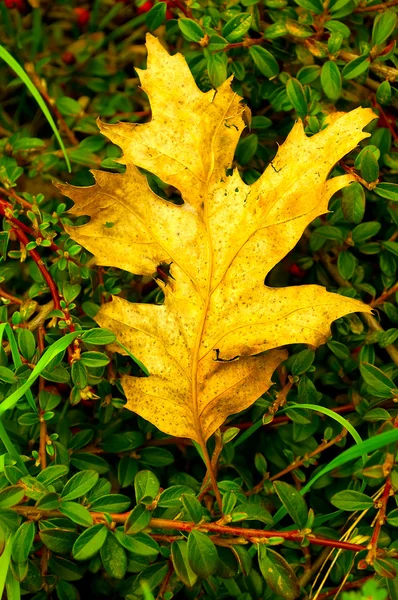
(115,478)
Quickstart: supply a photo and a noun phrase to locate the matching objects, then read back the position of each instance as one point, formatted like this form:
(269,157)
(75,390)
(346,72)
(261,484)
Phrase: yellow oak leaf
(212,346)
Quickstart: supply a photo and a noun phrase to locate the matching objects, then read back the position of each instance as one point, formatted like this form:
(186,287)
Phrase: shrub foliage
(93,498)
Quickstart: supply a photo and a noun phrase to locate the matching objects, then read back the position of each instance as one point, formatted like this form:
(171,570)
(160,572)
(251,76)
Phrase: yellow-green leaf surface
(221,243)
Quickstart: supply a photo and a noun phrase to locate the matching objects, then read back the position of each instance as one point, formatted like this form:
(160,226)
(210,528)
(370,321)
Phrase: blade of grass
(16,67)
(49,354)
(5,327)
(357,451)
(329,413)
(13,587)
(5,559)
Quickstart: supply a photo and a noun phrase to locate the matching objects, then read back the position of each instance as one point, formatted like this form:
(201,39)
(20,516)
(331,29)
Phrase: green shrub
(88,490)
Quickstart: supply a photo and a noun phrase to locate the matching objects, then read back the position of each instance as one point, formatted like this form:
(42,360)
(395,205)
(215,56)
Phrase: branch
(36,257)
(252,535)
(380,69)
(381,7)
(383,297)
(10,297)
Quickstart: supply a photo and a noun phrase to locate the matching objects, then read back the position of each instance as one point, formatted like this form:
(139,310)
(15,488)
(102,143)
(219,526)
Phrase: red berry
(68,58)
(296,271)
(144,8)
(169,15)
(82,16)
(18,4)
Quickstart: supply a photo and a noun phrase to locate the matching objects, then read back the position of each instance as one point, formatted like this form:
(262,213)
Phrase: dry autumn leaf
(212,347)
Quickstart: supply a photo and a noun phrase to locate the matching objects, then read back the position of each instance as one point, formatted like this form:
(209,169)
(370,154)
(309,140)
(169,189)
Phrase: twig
(300,461)
(10,297)
(383,297)
(166,580)
(36,257)
(383,6)
(253,535)
(384,71)
(382,505)
(12,194)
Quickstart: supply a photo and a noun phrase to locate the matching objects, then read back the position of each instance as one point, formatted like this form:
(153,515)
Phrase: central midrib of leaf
(198,341)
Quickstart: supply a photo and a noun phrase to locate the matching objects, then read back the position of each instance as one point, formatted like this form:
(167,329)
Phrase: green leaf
(79,485)
(364,231)
(383,26)
(353,202)
(146,486)
(278,574)
(100,336)
(246,148)
(59,541)
(7,375)
(114,557)
(192,507)
(356,67)
(216,43)
(179,556)
(369,166)
(10,496)
(380,384)
(293,502)
(79,375)
(217,69)
(23,542)
(49,501)
(94,359)
(155,17)
(65,569)
(26,343)
(264,61)
(116,503)
(77,513)
(137,520)
(68,106)
(331,80)
(202,554)
(384,93)
(172,495)
(235,28)
(295,93)
(302,362)
(339,349)
(191,30)
(387,190)
(312,5)
(391,247)
(89,542)
(127,470)
(351,500)
(346,264)
(140,544)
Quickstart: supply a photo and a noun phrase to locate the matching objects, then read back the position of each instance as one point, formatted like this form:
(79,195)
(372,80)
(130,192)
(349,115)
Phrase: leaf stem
(211,473)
